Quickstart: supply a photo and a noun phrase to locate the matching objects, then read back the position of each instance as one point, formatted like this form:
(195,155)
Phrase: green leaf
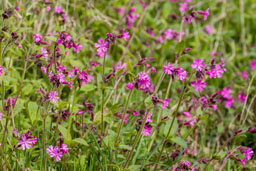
(65,133)
(54,39)
(174,127)
(110,139)
(27,89)
(148,101)
(179,141)
(80,141)
(88,87)
(32,111)
(203,117)
(180,47)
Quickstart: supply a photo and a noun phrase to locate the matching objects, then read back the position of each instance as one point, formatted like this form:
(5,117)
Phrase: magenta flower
(125,35)
(199,85)
(135,113)
(181,74)
(146,130)
(58,10)
(53,96)
(183,7)
(191,120)
(129,86)
(153,69)
(148,118)
(121,66)
(144,81)
(209,30)
(101,48)
(1,70)
(198,64)
(78,47)
(253,65)
(27,141)
(226,92)
(248,153)
(125,118)
(44,53)
(165,103)
(169,34)
(229,102)
(244,75)
(204,13)
(48,8)
(241,97)
(168,69)
(54,152)
(37,38)
(131,18)
(1,115)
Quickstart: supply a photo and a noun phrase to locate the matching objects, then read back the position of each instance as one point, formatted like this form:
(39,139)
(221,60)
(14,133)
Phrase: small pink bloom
(244,75)
(1,70)
(58,9)
(146,130)
(53,96)
(165,103)
(125,35)
(181,74)
(78,47)
(168,69)
(226,92)
(183,7)
(148,118)
(135,113)
(44,69)
(48,8)
(198,64)
(204,13)
(125,118)
(253,65)
(241,97)
(44,53)
(229,103)
(129,86)
(169,34)
(209,30)
(199,85)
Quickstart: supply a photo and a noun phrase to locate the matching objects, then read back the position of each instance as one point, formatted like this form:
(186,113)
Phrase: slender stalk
(44,156)
(120,127)
(102,97)
(170,128)
(72,108)
(143,124)
(160,117)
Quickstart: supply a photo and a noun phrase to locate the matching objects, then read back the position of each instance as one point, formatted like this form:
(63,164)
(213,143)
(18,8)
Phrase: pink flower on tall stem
(204,13)
(102,48)
(253,65)
(168,69)
(226,92)
(53,96)
(198,64)
(199,85)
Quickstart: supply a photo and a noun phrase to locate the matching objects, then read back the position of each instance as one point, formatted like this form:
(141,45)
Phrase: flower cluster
(26,141)
(58,151)
(172,71)
(131,18)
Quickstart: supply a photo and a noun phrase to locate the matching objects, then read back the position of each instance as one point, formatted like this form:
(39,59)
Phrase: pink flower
(204,13)
(183,7)
(244,75)
(44,69)
(135,113)
(58,9)
(168,69)
(78,47)
(101,48)
(148,118)
(165,103)
(241,97)
(1,70)
(120,11)
(229,103)
(191,119)
(248,155)
(253,65)
(121,66)
(160,39)
(1,115)
(27,141)
(146,130)
(226,92)
(181,74)
(209,30)
(53,96)
(54,152)
(48,8)
(131,18)
(37,38)
(125,35)
(198,64)
(169,34)
(125,118)
(129,86)
(144,81)
(199,85)
(44,53)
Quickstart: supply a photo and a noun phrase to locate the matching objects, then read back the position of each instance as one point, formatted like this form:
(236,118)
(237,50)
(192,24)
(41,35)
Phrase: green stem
(71,112)
(102,98)
(120,126)
(170,128)
(160,117)
(143,124)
